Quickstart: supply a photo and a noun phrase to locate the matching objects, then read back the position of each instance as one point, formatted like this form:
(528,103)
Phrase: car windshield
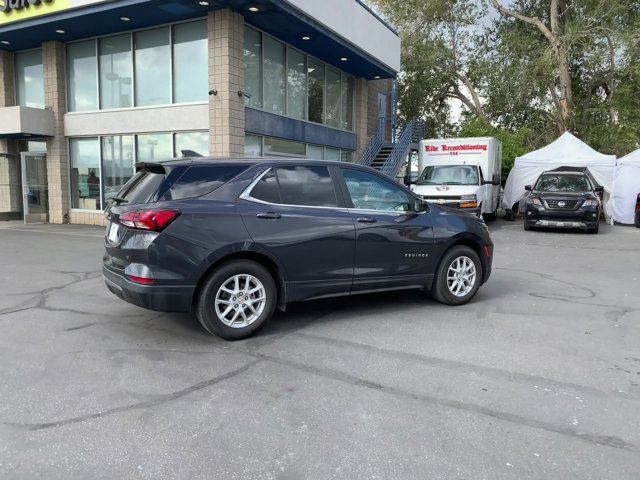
(449,175)
(563,183)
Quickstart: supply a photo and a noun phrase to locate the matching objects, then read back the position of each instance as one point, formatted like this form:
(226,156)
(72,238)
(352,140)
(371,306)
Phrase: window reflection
(30,79)
(85,173)
(274,77)
(82,68)
(155,146)
(195,141)
(117,164)
(116,72)
(153,67)
(190,62)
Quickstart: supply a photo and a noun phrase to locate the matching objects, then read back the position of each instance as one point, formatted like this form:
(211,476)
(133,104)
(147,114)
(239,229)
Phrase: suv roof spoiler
(150,167)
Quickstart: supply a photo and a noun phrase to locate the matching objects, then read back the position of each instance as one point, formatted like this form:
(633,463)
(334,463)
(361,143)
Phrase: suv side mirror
(599,189)
(528,188)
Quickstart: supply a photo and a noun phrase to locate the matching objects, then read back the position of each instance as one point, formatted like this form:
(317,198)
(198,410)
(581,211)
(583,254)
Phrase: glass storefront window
(195,141)
(277,146)
(316,91)
(346,156)
(190,62)
(253,67)
(346,113)
(332,110)
(116,72)
(315,152)
(282,80)
(154,146)
(117,164)
(85,173)
(30,79)
(274,76)
(82,67)
(252,146)
(296,83)
(332,154)
(152,67)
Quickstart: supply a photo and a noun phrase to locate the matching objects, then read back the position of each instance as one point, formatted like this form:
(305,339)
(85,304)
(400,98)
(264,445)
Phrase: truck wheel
(236,299)
(458,276)
(491,217)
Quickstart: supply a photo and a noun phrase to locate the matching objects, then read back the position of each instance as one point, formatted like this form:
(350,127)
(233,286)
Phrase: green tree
(439,38)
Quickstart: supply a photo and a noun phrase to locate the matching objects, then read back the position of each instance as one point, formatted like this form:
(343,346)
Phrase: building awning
(25,122)
(343,33)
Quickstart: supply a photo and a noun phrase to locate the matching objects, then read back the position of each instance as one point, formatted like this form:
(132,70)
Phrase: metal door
(35,188)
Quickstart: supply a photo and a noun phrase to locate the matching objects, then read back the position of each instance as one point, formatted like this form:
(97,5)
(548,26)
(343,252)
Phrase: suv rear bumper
(162,298)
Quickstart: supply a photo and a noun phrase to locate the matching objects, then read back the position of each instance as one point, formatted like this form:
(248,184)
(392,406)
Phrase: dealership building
(90,87)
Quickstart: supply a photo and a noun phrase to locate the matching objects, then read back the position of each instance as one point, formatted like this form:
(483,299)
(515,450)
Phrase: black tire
(491,217)
(205,310)
(595,229)
(440,288)
(527,226)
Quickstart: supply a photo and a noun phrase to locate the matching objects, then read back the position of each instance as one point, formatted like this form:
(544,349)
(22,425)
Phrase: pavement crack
(455,365)
(159,400)
(603,440)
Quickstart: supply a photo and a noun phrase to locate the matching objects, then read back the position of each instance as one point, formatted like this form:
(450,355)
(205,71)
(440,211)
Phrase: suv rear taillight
(638,203)
(153,220)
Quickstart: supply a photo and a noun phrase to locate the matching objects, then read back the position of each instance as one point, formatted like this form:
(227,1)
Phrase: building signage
(18,10)
(9,5)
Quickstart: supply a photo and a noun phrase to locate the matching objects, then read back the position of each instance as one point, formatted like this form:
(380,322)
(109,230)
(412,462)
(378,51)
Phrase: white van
(461,173)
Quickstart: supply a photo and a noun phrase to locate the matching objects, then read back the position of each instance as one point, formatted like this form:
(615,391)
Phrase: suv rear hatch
(133,223)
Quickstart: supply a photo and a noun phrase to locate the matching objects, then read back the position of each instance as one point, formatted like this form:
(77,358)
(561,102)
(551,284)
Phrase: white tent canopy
(566,151)
(626,187)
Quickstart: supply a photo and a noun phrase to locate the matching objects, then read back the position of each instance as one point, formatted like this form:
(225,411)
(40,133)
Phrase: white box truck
(461,173)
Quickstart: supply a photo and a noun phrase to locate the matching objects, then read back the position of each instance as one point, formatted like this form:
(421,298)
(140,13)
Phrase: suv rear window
(201,180)
(141,187)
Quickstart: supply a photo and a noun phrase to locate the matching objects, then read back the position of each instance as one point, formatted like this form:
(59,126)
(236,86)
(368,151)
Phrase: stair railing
(374,145)
(401,148)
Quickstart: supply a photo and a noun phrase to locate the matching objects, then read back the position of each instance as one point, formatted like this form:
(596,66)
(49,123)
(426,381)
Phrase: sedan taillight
(152,220)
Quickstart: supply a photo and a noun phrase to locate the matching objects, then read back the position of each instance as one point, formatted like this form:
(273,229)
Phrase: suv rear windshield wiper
(119,200)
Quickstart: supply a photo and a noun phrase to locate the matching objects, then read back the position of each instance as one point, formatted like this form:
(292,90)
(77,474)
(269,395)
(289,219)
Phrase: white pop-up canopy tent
(566,151)
(626,187)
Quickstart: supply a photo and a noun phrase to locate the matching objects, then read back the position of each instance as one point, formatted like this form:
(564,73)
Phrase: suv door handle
(269,215)
(367,220)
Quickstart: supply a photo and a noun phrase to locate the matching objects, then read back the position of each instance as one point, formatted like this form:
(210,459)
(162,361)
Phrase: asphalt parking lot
(537,378)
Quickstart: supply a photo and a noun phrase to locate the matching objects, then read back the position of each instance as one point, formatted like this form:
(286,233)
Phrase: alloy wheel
(240,301)
(461,276)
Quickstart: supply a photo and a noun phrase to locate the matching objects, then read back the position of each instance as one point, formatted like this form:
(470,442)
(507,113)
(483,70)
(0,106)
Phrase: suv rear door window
(310,186)
(201,180)
(267,188)
(303,186)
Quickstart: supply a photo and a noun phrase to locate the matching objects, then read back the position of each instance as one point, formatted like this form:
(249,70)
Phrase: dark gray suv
(232,239)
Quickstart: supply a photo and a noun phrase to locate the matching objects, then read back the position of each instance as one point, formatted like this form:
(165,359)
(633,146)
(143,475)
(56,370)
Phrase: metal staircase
(389,157)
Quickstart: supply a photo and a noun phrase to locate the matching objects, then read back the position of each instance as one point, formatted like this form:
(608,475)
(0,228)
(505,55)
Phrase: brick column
(53,59)
(10,193)
(226,76)
(361,121)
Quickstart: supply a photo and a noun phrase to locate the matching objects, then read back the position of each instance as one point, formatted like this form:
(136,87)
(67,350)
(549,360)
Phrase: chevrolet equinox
(231,240)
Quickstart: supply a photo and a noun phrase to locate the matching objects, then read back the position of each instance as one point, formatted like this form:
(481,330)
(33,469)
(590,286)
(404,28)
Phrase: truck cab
(461,173)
